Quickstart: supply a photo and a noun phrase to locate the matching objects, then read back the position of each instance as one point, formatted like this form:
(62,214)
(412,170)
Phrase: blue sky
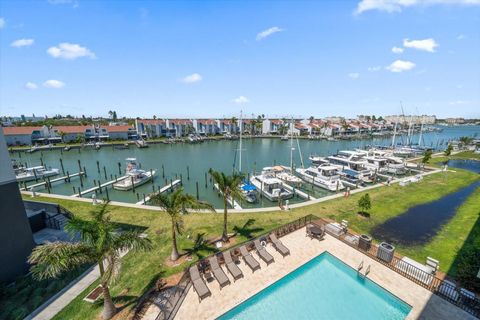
(199,58)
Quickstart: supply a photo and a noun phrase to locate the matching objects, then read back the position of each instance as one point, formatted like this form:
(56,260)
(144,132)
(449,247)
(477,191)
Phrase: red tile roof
(117,128)
(206,121)
(180,121)
(152,121)
(72,129)
(276,121)
(10,131)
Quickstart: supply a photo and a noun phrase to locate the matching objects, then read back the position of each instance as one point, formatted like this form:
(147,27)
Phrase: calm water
(419,224)
(324,288)
(220,155)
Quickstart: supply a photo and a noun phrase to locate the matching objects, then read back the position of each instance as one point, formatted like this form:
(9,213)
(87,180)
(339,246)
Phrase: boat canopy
(248,187)
(131,159)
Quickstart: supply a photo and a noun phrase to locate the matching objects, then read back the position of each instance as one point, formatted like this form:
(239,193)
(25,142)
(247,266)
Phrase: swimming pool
(324,288)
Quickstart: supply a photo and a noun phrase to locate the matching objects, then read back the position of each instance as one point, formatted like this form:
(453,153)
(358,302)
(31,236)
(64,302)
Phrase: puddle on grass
(419,224)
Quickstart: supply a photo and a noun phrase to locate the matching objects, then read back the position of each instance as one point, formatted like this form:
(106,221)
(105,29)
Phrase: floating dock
(43,183)
(234,204)
(103,185)
(162,190)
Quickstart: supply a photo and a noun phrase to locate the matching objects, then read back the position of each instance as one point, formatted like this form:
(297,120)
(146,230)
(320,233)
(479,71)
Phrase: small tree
(100,243)
(427,156)
(364,203)
(448,151)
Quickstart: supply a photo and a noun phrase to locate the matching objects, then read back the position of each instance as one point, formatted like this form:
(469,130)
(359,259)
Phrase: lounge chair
(232,267)
(218,272)
(263,253)
(198,284)
(278,245)
(249,260)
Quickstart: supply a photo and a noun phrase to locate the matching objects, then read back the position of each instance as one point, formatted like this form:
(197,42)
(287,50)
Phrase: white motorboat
(272,188)
(318,160)
(134,176)
(352,160)
(34,173)
(282,173)
(249,192)
(323,176)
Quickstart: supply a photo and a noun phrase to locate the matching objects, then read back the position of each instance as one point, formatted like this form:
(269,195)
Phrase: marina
(175,162)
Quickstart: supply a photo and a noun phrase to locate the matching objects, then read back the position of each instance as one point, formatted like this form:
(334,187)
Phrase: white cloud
(195,77)
(22,43)
(397,50)
(354,75)
(400,66)
(31,86)
(74,3)
(70,51)
(461,37)
(424,45)
(2,23)
(266,33)
(53,84)
(374,69)
(397,5)
(241,100)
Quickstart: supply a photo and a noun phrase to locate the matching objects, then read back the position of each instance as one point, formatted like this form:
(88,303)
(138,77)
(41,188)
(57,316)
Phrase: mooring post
(84,172)
(61,164)
(138,196)
(98,166)
(35,174)
(79,165)
(105,172)
(81,179)
(41,161)
(198,196)
(119,168)
(163,171)
(106,192)
(205,180)
(181,180)
(188,173)
(100,186)
(144,200)
(74,191)
(151,174)
(94,182)
(79,193)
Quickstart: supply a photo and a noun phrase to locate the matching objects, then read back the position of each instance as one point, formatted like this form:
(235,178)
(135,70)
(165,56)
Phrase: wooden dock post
(188,173)
(74,191)
(35,174)
(84,172)
(144,201)
(61,165)
(163,171)
(133,185)
(98,166)
(198,196)
(100,186)
(151,174)
(79,193)
(181,180)
(105,172)
(106,193)
(41,160)
(80,166)
(119,168)
(68,176)
(206,180)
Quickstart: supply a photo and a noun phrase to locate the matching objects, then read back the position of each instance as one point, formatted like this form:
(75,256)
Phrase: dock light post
(61,165)
(188,173)
(98,166)
(196,184)
(119,168)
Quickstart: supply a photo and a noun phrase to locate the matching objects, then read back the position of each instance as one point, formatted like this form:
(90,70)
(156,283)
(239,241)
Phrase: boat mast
(240,145)
(421,132)
(394,134)
(291,145)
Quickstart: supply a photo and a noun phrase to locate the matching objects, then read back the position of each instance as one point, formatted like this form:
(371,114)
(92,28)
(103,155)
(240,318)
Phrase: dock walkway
(106,184)
(162,190)
(65,178)
(234,204)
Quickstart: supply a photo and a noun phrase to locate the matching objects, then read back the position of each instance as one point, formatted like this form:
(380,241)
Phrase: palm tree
(229,186)
(176,204)
(100,242)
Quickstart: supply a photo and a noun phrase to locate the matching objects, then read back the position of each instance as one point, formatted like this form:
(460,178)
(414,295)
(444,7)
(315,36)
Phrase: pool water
(324,288)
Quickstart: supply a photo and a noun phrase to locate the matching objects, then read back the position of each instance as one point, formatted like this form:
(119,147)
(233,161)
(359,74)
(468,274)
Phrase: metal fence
(446,289)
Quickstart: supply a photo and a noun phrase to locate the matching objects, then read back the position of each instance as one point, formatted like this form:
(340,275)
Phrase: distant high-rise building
(16,240)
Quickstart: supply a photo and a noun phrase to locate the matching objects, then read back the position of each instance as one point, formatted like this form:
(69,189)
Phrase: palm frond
(132,240)
(52,259)
(112,265)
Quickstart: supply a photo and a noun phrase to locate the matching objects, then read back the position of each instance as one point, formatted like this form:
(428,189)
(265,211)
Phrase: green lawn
(141,270)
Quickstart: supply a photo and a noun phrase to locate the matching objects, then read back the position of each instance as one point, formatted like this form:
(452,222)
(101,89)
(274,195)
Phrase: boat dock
(103,185)
(299,192)
(162,190)
(64,178)
(234,204)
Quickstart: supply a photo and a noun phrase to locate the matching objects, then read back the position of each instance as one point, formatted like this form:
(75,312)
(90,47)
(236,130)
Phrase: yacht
(272,188)
(318,160)
(353,160)
(283,174)
(134,176)
(323,176)
(395,165)
(34,173)
(350,178)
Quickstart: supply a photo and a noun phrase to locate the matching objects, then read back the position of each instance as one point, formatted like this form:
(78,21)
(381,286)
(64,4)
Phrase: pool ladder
(359,270)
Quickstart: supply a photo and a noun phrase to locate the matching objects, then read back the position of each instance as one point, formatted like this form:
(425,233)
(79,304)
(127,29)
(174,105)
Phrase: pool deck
(425,305)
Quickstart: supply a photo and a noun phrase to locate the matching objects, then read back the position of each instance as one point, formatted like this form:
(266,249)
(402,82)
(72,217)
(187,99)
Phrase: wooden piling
(61,165)
(163,171)
(198,196)
(119,168)
(84,171)
(98,166)
(105,172)
(133,185)
(80,166)
(68,176)
(188,173)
